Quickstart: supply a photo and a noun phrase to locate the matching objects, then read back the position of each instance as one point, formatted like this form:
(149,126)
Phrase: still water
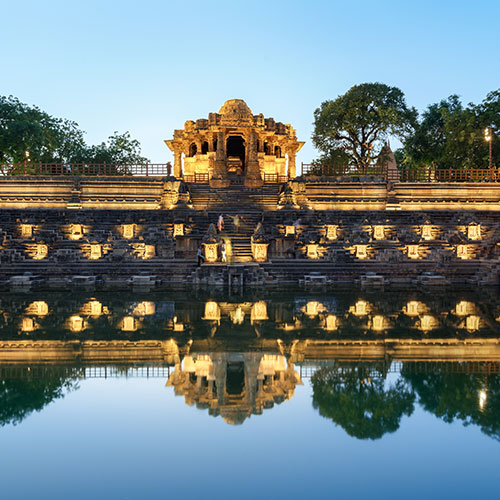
(345,394)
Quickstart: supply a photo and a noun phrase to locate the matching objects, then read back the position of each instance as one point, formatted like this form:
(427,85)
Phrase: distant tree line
(27,132)
(351,130)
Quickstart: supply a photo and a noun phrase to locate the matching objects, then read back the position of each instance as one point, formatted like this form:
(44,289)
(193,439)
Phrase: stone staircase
(240,241)
(234,197)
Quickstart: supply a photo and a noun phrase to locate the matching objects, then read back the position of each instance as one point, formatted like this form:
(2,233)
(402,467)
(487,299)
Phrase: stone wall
(371,232)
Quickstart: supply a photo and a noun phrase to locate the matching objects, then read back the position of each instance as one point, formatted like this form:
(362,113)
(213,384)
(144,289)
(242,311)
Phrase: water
(346,394)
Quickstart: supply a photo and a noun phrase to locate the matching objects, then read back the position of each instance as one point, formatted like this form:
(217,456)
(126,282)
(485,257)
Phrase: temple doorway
(235,378)
(235,153)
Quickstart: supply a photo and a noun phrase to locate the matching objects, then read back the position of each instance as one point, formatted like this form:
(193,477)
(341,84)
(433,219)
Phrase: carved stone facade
(235,143)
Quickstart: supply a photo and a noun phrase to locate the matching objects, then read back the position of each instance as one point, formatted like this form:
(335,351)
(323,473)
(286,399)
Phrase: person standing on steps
(220,223)
(236,222)
(223,251)
(201,257)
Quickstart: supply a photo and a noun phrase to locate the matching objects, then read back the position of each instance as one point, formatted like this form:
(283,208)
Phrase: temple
(234,143)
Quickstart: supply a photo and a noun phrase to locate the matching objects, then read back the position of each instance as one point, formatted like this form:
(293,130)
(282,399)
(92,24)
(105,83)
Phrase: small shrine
(235,144)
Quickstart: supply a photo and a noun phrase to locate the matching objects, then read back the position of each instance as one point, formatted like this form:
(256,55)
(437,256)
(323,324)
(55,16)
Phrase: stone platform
(54,231)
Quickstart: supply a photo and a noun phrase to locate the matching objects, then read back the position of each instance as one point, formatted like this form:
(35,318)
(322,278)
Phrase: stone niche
(211,252)
(128,231)
(332,232)
(312,251)
(26,231)
(95,251)
(259,251)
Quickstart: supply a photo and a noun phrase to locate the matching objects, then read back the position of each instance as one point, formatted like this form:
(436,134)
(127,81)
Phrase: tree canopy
(451,135)
(27,130)
(455,397)
(354,127)
(19,397)
(363,406)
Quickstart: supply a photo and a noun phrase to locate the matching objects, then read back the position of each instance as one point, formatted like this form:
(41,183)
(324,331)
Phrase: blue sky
(149,66)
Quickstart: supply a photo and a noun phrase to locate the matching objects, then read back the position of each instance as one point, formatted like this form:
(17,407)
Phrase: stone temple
(235,144)
(93,225)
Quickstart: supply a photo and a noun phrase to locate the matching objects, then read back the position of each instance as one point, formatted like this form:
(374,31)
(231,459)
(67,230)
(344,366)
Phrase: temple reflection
(369,359)
(234,385)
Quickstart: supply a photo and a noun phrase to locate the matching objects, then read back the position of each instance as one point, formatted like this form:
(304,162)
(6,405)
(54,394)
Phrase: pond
(346,393)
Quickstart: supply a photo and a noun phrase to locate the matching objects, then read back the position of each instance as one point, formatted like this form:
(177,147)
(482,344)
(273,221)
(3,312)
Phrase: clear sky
(148,66)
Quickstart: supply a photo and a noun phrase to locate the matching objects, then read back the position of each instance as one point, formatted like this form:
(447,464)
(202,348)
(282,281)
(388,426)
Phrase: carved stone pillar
(292,173)
(178,164)
(219,177)
(252,173)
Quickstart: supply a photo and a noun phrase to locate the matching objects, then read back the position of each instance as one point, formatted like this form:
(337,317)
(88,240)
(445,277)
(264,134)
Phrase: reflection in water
(235,385)
(363,405)
(369,359)
(26,392)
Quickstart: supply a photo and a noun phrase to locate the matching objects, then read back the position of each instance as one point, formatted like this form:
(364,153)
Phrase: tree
(358,123)
(26,130)
(455,396)
(358,403)
(450,135)
(20,396)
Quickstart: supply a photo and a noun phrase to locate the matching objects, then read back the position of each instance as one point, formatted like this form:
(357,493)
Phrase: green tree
(20,396)
(362,406)
(27,130)
(450,135)
(359,122)
(456,397)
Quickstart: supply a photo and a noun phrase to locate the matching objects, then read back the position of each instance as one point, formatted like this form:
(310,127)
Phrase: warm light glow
(149,251)
(76,231)
(474,232)
(26,231)
(378,323)
(487,134)
(427,232)
(361,251)
(463,308)
(128,231)
(483,398)
(28,325)
(472,323)
(331,323)
(332,232)
(212,311)
(95,251)
(312,251)
(76,324)
(411,308)
(41,251)
(259,312)
(313,307)
(178,326)
(428,322)
(378,232)
(38,308)
(259,251)
(237,316)
(462,252)
(413,252)
(178,229)
(289,230)
(360,308)
(129,324)
(210,252)
(95,308)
